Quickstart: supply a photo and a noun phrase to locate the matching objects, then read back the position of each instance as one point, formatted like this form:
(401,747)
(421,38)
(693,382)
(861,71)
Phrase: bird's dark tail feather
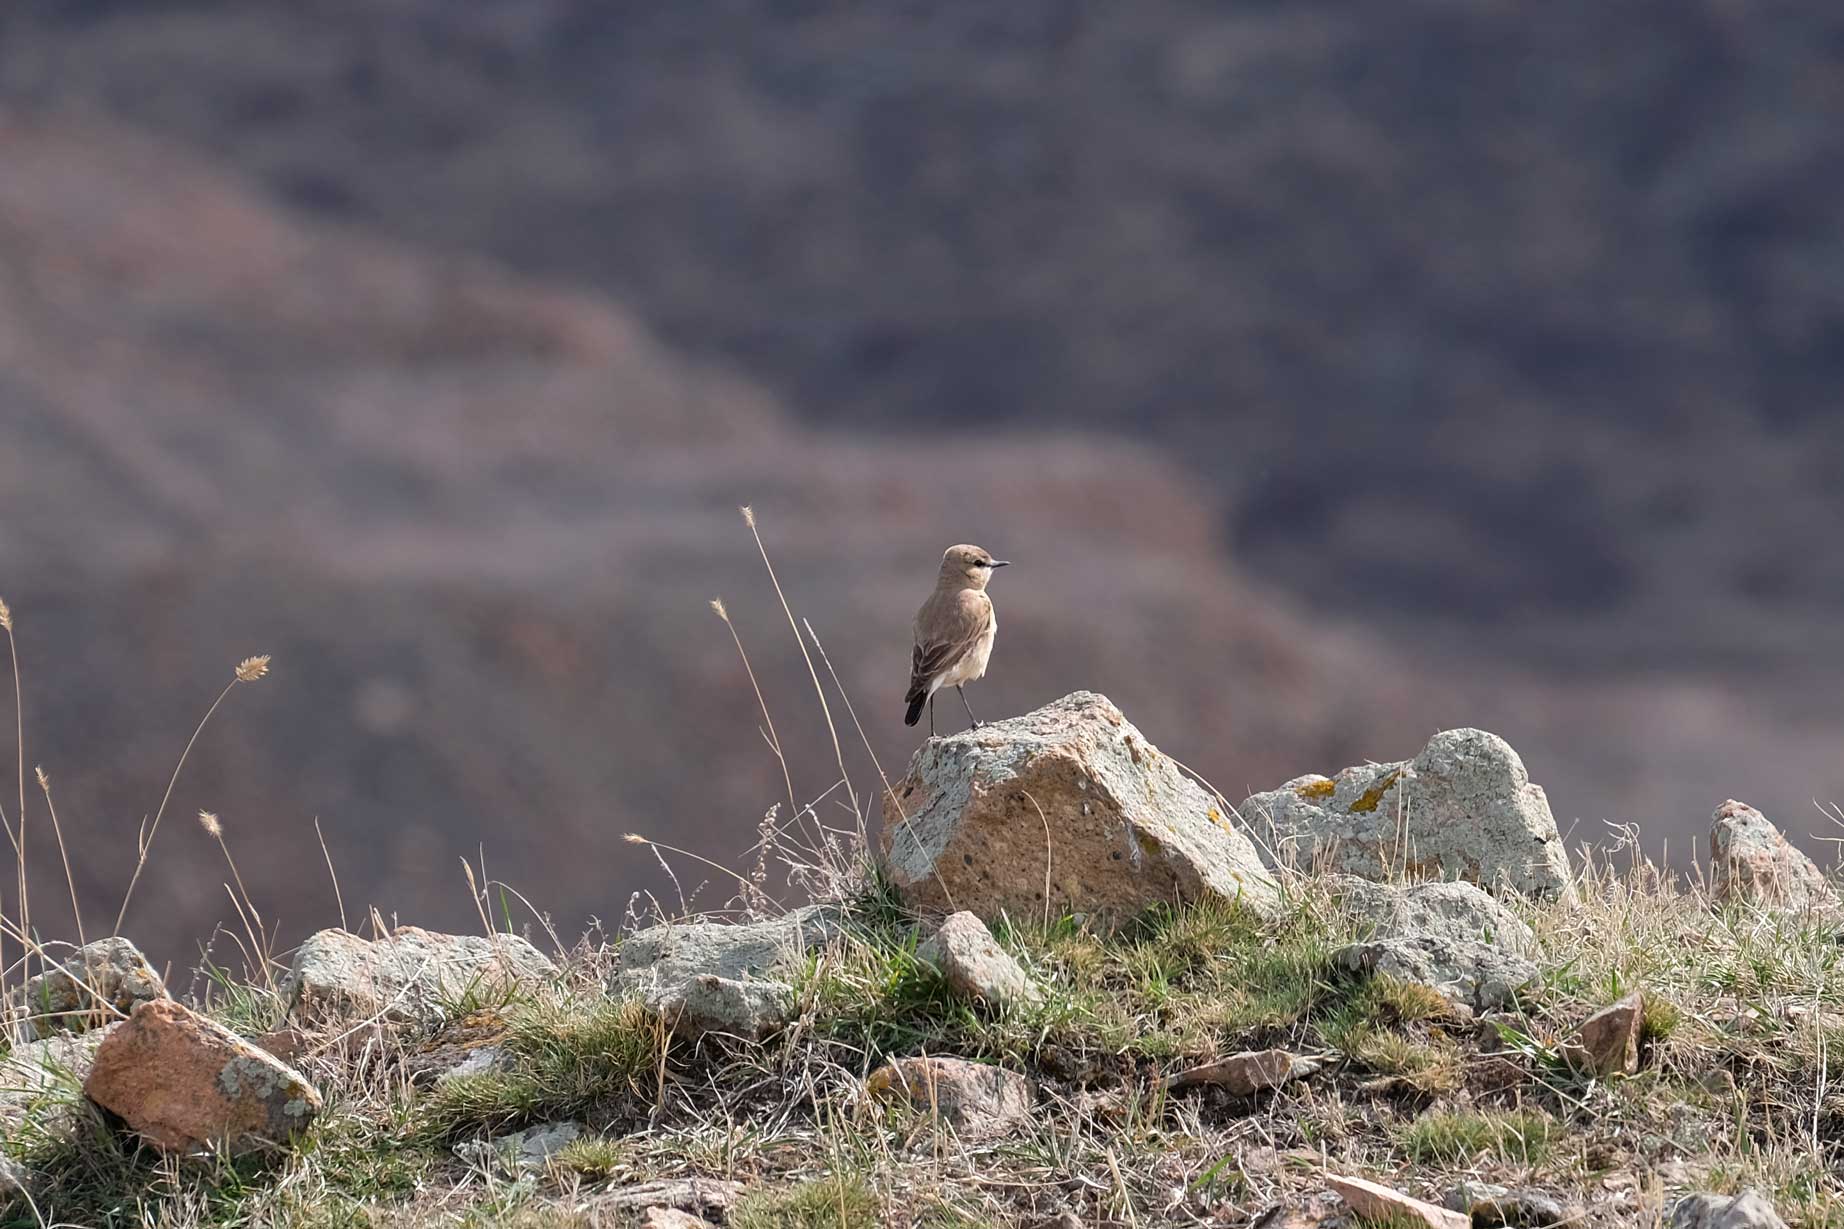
(915,709)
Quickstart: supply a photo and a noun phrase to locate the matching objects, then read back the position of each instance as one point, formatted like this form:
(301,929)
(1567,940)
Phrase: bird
(954,632)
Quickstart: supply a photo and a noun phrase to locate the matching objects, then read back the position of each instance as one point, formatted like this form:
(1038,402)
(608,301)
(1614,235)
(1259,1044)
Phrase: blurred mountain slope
(1526,322)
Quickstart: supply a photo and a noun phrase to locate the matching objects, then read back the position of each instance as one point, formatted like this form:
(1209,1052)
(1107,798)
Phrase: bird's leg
(977,723)
(931,714)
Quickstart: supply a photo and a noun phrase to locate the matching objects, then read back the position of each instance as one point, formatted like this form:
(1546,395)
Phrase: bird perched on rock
(954,631)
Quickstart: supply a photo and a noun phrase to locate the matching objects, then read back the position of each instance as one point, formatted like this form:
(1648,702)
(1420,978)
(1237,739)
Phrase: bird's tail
(916,701)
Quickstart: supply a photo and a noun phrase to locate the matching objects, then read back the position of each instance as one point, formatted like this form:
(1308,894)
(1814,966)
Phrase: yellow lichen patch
(1373,796)
(1322,788)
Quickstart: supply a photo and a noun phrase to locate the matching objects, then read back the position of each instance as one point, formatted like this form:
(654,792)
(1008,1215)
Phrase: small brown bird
(954,631)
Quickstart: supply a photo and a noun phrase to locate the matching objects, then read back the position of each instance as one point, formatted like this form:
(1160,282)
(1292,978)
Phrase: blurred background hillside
(1333,374)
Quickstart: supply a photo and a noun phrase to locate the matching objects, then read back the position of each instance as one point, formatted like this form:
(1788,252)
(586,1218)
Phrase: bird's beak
(1000,563)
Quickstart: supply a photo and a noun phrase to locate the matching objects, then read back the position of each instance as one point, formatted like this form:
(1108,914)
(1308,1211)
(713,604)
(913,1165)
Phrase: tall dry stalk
(57,830)
(749,519)
(19,736)
(248,671)
(774,740)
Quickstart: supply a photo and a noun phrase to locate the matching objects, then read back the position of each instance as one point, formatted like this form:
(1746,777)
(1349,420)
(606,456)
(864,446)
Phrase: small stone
(184,1083)
(520,1150)
(722,977)
(1752,861)
(977,1100)
(1501,1207)
(671,1218)
(702,1196)
(974,965)
(1248,1073)
(1607,1044)
(409,977)
(98,983)
(1071,799)
(1748,1210)
(1378,1202)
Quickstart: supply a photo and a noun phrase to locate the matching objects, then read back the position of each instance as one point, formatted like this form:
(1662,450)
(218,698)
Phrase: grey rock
(1748,1210)
(1492,1206)
(977,1101)
(723,977)
(1752,861)
(410,977)
(99,982)
(521,1150)
(694,1195)
(671,1218)
(975,966)
(1070,798)
(483,1060)
(1451,937)
(44,1079)
(1465,808)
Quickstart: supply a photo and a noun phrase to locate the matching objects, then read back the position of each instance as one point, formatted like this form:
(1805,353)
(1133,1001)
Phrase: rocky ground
(1075,986)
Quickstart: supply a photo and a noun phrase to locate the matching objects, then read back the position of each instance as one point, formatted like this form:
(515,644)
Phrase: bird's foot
(979,725)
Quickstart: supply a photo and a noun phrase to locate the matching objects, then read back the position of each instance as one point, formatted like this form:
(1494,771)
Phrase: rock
(1127,829)
(1748,1210)
(1752,861)
(482,1060)
(1491,1207)
(1248,1073)
(411,976)
(520,1150)
(185,1082)
(1466,806)
(1451,937)
(977,1100)
(671,1218)
(720,977)
(975,966)
(1607,1044)
(1380,1203)
(98,983)
(694,1195)
(42,1081)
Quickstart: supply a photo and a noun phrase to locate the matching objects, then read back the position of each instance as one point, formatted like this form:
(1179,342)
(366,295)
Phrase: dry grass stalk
(248,671)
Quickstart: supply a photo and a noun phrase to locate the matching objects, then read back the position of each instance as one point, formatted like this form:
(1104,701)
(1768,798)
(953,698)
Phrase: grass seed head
(6,615)
(210,823)
(252,668)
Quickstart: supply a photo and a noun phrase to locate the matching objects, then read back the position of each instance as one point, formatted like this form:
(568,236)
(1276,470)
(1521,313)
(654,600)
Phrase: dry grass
(1744,1013)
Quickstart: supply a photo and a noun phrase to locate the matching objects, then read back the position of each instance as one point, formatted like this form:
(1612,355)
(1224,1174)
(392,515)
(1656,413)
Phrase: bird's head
(971,566)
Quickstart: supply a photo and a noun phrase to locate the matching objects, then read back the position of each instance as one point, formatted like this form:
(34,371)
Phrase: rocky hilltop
(1132,1003)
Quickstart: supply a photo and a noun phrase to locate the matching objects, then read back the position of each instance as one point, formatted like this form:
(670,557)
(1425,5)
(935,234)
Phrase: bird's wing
(945,632)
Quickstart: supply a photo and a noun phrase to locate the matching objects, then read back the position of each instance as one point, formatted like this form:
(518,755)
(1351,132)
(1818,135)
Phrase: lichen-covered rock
(977,1100)
(1450,937)
(1607,1044)
(690,1195)
(520,1150)
(1751,860)
(722,977)
(974,965)
(1071,797)
(1748,1210)
(411,976)
(184,1082)
(99,982)
(1465,808)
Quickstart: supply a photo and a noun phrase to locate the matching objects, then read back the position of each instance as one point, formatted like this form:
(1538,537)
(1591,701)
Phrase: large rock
(975,966)
(186,1083)
(1383,1204)
(1247,1073)
(1752,861)
(977,1100)
(722,977)
(1126,828)
(1450,937)
(1748,1210)
(99,982)
(411,976)
(1463,809)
